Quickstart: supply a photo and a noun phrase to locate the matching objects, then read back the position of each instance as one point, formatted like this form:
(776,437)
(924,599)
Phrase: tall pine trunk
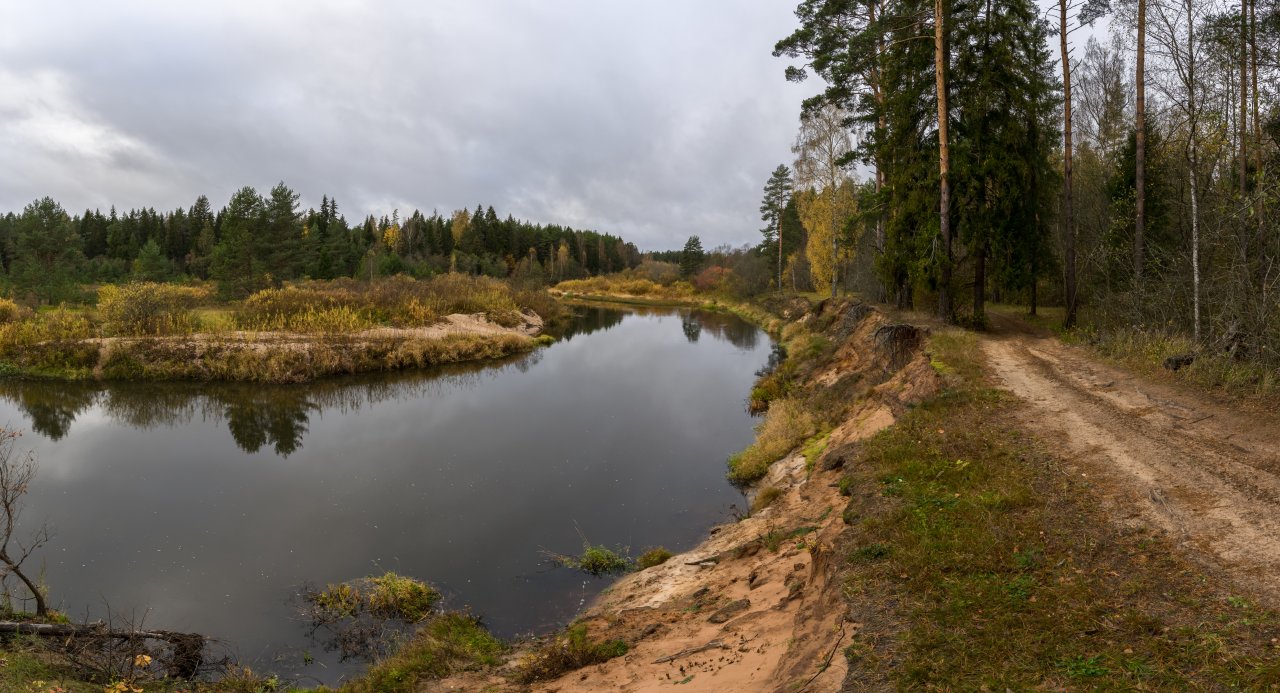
(945,310)
(1244,98)
(877,92)
(1140,140)
(1069,230)
(1191,168)
(780,253)
(1257,123)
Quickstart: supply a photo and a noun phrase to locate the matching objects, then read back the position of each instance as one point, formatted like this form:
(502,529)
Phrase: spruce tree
(236,266)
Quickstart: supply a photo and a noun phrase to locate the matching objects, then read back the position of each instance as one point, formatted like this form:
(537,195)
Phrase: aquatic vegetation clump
(387,596)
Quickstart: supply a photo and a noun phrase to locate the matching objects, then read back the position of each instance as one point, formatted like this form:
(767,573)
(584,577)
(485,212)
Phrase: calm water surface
(204,508)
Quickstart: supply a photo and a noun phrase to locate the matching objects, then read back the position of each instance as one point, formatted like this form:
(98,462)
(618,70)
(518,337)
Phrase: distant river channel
(206,507)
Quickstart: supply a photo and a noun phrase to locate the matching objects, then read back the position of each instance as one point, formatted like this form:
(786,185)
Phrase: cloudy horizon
(654,122)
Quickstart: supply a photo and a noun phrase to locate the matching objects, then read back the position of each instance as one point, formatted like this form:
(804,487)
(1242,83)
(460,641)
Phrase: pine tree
(777,193)
(151,264)
(692,257)
(47,248)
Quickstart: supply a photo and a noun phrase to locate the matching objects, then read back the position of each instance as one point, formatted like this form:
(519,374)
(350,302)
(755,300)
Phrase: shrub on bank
(148,308)
(11,311)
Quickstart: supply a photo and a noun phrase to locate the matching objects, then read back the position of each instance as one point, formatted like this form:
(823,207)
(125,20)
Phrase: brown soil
(1161,456)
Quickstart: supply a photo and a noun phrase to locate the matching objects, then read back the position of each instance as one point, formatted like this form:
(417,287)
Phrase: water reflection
(722,325)
(278,417)
(692,328)
(461,476)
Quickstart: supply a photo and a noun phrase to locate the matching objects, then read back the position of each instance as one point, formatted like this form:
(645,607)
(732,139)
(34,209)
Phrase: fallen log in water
(187,647)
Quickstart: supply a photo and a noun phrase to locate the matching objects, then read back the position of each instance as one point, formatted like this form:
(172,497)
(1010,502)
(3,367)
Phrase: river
(207,507)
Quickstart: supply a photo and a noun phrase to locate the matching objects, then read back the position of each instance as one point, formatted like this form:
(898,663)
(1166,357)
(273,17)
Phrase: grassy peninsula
(294,333)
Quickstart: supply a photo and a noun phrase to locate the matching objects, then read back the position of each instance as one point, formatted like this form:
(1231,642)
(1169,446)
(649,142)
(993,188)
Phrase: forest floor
(1205,472)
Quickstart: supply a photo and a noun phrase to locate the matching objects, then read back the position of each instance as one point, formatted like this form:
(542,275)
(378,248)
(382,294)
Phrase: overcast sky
(654,120)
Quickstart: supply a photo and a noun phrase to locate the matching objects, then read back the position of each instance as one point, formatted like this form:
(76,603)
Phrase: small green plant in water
(397,596)
(600,560)
(387,596)
(595,559)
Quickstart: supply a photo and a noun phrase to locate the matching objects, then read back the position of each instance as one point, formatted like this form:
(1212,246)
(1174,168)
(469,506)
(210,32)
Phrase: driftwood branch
(713,645)
(90,630)
(188,648)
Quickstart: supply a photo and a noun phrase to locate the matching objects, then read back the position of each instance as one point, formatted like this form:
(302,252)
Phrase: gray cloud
(653,120)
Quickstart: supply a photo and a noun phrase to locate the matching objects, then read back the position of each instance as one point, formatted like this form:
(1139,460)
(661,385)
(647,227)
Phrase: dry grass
(624,285)
(273,361)
(345,306)
(765,498)
(12,312)
(787,424)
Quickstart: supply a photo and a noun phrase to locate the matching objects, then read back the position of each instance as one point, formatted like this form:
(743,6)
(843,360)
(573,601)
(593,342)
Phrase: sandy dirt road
(1206,474)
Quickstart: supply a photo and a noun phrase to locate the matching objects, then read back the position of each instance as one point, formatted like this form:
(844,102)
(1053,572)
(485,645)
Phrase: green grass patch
(814,447)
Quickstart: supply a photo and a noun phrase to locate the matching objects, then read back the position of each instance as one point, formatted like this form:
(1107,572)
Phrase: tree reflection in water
(260,416)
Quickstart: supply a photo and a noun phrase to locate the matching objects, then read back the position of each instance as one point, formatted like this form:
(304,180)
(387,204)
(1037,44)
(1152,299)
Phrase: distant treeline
(256,241)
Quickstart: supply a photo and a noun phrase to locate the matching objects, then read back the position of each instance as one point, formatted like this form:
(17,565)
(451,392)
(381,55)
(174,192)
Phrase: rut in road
(1205,473)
